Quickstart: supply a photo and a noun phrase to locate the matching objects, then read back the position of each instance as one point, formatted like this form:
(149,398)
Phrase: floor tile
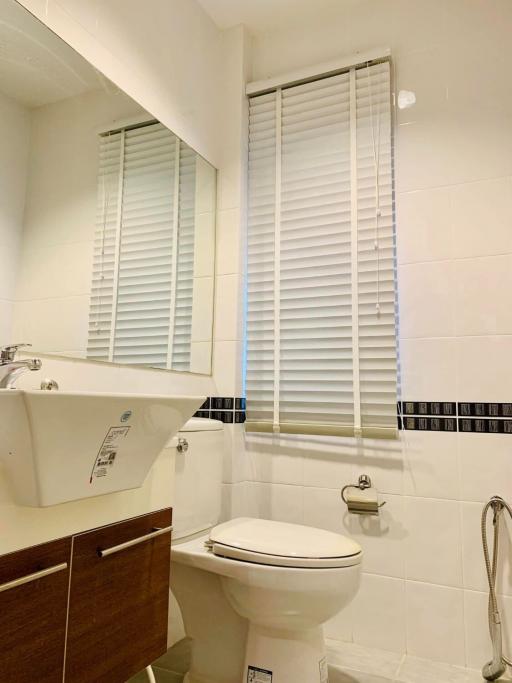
(337,675)
(350,657)
(416,670)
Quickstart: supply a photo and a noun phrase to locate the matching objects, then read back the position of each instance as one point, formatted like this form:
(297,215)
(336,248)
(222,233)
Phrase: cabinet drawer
(33,600)
(119,600)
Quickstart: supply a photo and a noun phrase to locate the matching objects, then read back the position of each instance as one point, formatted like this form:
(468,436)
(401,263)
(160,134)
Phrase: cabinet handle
(128,544)
(33,577)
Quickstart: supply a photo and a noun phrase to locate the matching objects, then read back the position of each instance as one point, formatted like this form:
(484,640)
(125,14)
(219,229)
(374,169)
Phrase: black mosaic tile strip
(226,416)
(430,424)
(478,418)
(485,426)
(227,409)
(434,408)
(485,410)
(202,413)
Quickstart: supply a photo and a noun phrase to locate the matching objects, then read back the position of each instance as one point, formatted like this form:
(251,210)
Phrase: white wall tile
(280,502)
(484,370)
(485,466)
(433,545)
(430,464)
(323,508)
(328,462)
(229,253)
(228,308)
(439,356)
(383,461)
(426,304)
(435,622)
(424,226)
(378,613)
(227,368)
(273,459)
(340,626)
(236,465)
(482,214)
(204,242)
(482,302)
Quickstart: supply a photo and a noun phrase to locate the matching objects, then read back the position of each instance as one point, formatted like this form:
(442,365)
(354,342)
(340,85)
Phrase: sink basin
(57,446)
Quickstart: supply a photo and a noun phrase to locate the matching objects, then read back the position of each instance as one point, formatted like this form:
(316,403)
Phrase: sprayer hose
(498,505)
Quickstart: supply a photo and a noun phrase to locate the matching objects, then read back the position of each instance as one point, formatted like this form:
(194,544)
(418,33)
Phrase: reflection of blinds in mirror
(185,261)
(135,295)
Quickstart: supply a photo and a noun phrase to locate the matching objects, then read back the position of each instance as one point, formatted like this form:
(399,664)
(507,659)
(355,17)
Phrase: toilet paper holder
(364,500)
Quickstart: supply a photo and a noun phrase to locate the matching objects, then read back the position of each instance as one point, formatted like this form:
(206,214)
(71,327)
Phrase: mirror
(107,219)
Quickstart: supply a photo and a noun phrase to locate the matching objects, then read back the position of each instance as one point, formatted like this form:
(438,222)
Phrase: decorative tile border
(443,416)
(485,426)
(485,409)
(430,424)
(227,409)
(427,408)
(422,416)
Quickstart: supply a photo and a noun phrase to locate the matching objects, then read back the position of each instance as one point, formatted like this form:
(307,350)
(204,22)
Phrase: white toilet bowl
(254,595)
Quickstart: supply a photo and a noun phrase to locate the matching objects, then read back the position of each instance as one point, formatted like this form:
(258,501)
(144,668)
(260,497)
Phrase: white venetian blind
(144,218)
(321,349)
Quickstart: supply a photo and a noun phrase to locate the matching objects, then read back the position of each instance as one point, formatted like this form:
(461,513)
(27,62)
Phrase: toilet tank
(198,477)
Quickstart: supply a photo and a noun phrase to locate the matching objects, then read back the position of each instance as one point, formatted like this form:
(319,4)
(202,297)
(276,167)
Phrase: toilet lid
(284,545)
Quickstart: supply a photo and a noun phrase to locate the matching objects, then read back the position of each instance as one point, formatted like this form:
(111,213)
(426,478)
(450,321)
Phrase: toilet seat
(282,545)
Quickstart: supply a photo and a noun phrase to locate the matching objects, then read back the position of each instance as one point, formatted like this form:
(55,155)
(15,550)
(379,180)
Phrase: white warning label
(256,675)
(324,671)
(108,452)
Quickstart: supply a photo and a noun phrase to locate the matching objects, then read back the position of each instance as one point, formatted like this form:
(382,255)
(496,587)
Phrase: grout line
(454,259)
(429,188)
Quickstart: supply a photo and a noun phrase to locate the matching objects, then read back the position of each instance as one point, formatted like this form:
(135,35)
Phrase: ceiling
(36,66)
(266,15)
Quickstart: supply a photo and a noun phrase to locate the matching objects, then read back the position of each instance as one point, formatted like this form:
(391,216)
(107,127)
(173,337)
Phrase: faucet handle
(8,353)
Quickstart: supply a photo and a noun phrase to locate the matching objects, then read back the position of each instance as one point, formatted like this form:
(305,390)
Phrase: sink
(57,446)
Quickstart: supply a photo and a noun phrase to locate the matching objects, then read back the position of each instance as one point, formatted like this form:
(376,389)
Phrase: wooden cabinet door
(119,599)
(33,602)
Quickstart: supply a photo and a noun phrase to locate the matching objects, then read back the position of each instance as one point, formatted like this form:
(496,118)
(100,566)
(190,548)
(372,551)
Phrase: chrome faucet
(11,369)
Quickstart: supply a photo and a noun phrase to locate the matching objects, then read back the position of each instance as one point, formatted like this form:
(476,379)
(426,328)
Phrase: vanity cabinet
(119,599)
(33,609)
(91,608)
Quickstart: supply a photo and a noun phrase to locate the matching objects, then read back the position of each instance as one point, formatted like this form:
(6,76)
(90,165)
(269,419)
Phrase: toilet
(253,594)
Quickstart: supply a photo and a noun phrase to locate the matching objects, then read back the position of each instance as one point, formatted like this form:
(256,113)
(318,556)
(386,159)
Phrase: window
(321,339)
(142,285)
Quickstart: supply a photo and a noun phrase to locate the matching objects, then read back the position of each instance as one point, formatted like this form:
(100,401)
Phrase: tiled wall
(423,588)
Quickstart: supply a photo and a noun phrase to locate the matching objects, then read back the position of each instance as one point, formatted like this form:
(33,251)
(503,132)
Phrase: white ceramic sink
(57,446)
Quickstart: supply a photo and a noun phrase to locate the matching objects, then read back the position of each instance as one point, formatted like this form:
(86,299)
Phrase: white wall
(423,588)
(14,150)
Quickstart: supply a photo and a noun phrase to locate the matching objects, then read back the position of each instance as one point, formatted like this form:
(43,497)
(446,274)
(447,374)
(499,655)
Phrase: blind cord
(376,165)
